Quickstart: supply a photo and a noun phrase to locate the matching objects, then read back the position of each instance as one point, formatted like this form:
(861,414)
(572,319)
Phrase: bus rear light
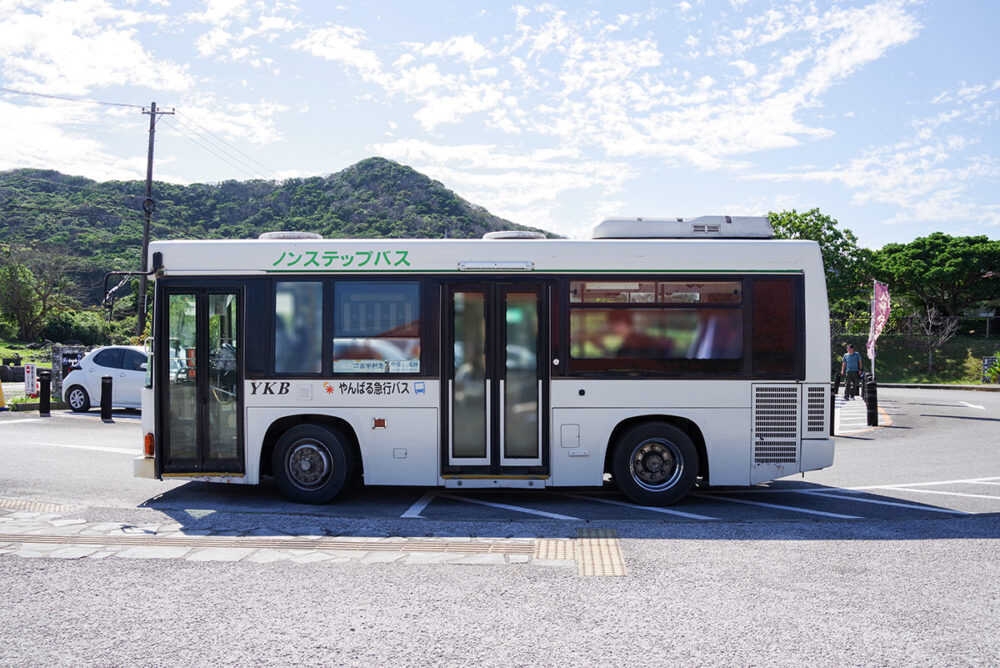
(147,445)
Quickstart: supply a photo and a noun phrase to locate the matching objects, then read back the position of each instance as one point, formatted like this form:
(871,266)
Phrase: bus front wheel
(311,463)
(655,464)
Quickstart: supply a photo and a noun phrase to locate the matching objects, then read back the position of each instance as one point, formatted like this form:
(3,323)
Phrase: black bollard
(833,404)
(44,391)
(106,398)
(871,399)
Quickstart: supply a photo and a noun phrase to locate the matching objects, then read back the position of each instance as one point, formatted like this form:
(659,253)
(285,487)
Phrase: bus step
(496,482)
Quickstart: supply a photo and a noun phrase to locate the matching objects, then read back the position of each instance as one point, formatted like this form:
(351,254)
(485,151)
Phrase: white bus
(659,353)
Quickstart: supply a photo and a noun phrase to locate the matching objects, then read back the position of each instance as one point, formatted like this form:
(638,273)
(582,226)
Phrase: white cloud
(74,47)
(860,36)
(342,44)
(747,69)
(235,26)
(60,140)
(929,176)
(464,48)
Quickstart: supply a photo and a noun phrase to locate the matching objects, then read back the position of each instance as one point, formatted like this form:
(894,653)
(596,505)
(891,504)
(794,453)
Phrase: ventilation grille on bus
(815,422)
(775,424)
(706,229)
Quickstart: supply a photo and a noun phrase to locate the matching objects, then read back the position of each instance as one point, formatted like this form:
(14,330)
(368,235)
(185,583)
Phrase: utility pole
(147,209)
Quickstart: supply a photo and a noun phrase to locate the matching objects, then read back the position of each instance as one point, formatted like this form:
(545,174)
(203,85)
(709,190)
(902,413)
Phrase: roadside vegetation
(899,359)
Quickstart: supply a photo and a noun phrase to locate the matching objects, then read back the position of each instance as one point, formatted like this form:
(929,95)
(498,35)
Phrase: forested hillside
(95,227)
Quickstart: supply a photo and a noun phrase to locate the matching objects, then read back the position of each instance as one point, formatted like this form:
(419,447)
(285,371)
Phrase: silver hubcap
(76,398)
(308,465)
(656,465)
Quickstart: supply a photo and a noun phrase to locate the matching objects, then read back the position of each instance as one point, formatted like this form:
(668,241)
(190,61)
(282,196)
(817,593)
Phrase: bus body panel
(724,430)
(404,452)
(817,453)
(143,466)
(359,257)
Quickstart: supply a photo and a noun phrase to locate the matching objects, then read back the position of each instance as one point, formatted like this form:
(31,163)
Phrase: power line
(226,149)
(223,141)
(70,99)
(211,149)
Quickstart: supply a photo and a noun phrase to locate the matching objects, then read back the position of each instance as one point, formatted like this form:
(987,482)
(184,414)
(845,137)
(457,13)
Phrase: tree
(33,288)
(847,265)
(932,330)
(941,272)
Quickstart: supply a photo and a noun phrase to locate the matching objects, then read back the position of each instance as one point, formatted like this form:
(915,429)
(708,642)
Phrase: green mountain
(97,226)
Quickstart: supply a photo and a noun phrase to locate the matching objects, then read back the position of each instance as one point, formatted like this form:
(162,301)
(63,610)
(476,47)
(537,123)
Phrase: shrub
(87,327)
(972,369)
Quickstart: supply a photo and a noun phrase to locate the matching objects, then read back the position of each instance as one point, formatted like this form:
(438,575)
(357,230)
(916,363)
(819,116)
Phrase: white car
(125,364)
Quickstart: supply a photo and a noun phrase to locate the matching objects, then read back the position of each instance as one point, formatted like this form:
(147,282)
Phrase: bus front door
(201,403)
(496,368)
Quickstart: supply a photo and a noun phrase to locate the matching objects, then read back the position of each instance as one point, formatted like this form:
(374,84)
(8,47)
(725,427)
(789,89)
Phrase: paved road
(890,556)
(934,456)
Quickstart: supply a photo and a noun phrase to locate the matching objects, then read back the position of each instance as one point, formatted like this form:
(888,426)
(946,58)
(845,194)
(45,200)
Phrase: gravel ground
(801,593)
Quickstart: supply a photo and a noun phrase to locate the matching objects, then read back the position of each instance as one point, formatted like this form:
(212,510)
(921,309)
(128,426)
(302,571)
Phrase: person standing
(851,369)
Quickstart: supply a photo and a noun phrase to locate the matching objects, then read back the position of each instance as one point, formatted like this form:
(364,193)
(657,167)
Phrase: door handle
(489,422)
(501,405)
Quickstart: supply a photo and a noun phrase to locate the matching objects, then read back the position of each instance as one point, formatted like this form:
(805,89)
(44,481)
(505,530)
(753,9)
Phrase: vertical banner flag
(880,314)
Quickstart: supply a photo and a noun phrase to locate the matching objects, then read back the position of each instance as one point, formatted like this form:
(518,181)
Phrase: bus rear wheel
(311,463)
(655,464)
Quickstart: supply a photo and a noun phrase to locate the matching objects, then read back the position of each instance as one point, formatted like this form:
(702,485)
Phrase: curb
(924,386)
(25,407)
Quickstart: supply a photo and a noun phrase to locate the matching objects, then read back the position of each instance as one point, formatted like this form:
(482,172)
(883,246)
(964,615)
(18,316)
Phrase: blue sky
(882,113)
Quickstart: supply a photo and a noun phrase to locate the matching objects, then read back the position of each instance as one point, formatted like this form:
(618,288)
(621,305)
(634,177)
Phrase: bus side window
(298,327)
(376,327)
(774,345)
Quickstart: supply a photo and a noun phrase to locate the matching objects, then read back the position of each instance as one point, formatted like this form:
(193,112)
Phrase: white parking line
(504,506)
(774,505)
(654,509)
(966,403)
(122,451)
(21,421)
(418,507)
(934,491)
(844,497)
(932,482)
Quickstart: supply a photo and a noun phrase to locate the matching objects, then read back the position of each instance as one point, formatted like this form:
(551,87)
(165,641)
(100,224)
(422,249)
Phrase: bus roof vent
(290,235)
(514,234)
(717,227)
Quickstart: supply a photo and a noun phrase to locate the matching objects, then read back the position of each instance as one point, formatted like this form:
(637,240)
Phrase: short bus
(658,353)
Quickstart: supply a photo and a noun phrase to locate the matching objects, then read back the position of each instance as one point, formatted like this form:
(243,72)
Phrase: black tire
(655,464)
(78,399)
(312,463)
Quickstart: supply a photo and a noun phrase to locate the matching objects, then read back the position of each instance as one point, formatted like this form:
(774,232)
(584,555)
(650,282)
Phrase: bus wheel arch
(312,463)
(655,460)
(341,427)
